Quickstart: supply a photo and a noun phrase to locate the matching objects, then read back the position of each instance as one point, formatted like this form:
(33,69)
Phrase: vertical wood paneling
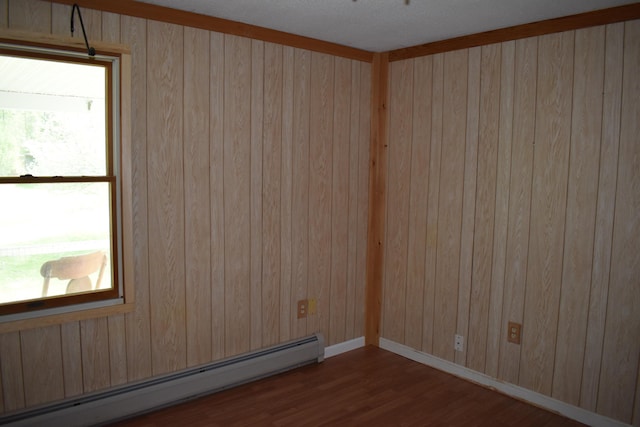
(549,260)
(364,123)
(60,24)
(271,196)
(604,215)
(31,15)
(110,27)
(300,188)
(166,196)
(138,326)
(4,13)
(223,182)
(505,134)
(41,351)
(286,219)
(584,162)
(11,368)
(437,93)
(237,193)
(621,345)
(196,197)
(469,200)
(340,200)
(419,179)
(94,336)
(117,350)
(399,174)
(484,206)
(519,203)
(548,205)
(450,202)
(111,32)
(320,172)
(72,359)
(352,196)
(257,113)
(216,182)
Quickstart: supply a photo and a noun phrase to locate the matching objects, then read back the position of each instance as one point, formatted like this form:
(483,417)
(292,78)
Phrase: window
(60,181)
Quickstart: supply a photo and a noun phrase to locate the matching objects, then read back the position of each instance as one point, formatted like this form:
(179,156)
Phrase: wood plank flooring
(367,386)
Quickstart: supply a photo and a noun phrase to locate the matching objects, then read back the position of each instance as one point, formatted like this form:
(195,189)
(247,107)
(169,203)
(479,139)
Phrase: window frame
(117,62)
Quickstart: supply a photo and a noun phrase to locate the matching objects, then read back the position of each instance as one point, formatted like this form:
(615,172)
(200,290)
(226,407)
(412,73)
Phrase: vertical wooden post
(377,197)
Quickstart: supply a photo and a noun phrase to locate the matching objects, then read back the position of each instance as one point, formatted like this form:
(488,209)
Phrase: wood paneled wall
(250,192)
(514,195)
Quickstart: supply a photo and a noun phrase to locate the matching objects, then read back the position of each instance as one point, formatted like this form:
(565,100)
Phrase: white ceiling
(382,25)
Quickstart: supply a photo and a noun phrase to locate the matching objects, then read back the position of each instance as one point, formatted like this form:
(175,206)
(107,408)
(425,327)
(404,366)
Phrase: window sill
(56,319)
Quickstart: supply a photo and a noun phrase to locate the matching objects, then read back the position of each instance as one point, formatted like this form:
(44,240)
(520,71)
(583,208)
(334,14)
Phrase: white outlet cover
(459,343)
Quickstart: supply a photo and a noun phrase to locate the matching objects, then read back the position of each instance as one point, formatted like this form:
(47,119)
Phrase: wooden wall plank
(378,161)
(454,119)
(286,220)
(216,183)
(4,13)
(352,196)
(502,205)
(166,198)
(604,215)
(94,336)
(621,346)
(524,105)
(42,370)
(197,205)
(340,160)
(584,162)
(468,201)
(437,93)
(271,196)
(485,206)
(30,15)
(548,205)
(256,159)
(237,194)
(117,350)
(398,192)
(72,359)
(111,32)
(320,172)
(300,188)
(364,144)
(60,14)
(419,180)
(1,393)
(110,27)
(138,326)
(11,367)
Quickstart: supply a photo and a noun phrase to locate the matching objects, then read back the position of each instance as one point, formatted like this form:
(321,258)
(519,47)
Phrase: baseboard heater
(140,397)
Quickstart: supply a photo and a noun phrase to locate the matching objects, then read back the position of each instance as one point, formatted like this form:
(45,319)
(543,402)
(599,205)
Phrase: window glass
(46,222)
(52,118)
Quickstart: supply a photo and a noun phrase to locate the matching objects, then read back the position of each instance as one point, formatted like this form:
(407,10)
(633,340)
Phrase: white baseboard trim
(343,347)
(517,392)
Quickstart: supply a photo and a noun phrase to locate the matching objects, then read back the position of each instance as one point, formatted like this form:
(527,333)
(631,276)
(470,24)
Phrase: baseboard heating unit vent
(136,398)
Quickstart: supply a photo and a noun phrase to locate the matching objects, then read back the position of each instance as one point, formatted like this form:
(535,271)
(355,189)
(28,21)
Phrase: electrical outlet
(514,332)
(458,343)
(303,306)
(313,307)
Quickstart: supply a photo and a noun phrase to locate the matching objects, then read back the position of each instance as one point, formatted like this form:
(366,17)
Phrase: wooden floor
(364,387)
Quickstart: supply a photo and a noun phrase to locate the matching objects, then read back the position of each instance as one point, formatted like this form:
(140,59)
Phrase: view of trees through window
(50,127)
